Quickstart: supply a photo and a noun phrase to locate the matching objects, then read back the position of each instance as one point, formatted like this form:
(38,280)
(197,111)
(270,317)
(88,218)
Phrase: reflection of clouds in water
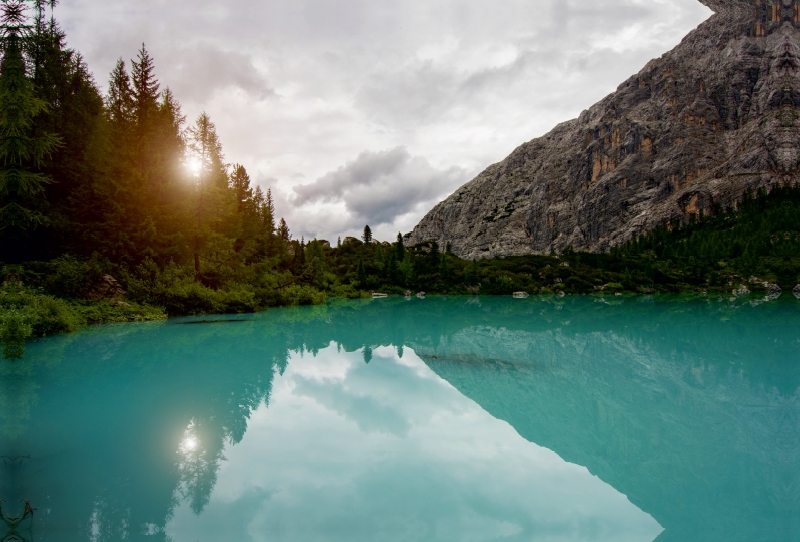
(388,451)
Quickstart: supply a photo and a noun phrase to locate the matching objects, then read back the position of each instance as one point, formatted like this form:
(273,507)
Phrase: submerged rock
(742,290)
(712,118)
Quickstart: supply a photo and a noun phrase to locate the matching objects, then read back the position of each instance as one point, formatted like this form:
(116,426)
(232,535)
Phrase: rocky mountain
(694,129)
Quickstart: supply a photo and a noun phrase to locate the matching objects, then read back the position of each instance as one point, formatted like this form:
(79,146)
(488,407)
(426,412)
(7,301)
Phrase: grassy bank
(754,248)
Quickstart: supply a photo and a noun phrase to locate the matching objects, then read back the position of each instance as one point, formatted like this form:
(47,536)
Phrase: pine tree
(367,236)
(75,208)
(475,273)
(37,39)
(21,190)
(444,268)
(399,249)
(206,150)
(361,274)
(240,183)
(393,270)
(170,111)
(145,87)
(268,214)
(433,257)
(300,256)
(283,231)
(119,99)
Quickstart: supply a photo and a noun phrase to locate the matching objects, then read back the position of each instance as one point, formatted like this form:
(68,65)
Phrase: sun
(189,444)
(194,165)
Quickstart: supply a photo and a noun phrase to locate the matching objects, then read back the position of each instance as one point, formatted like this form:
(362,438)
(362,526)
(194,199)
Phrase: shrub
(48,315)
(68,276)
(578,285)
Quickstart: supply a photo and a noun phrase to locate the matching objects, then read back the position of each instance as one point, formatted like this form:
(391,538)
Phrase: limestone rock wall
(713,117)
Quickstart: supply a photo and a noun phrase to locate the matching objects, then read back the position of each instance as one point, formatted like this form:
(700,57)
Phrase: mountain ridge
(694,129)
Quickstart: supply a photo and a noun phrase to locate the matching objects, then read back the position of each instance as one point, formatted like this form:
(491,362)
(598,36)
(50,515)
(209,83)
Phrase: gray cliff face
(717,115)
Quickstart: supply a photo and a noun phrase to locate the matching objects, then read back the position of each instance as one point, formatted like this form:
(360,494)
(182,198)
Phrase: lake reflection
(442,419)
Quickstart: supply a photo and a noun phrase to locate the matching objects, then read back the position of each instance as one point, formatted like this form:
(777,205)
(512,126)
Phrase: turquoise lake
(444,419)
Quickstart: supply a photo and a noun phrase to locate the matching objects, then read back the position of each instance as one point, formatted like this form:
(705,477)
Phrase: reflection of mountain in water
(690,409)
(705,445)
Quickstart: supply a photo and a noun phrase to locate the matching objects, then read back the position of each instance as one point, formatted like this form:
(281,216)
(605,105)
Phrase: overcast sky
(371,111)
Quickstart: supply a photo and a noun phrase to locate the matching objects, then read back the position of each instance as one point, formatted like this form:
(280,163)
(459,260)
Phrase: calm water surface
(460,419)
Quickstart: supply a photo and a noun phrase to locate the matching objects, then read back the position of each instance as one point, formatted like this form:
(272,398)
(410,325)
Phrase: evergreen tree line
(716,253)
(119,184)
(759,237)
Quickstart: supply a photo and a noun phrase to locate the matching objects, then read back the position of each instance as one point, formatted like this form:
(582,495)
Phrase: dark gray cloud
(298,88)
(378,187)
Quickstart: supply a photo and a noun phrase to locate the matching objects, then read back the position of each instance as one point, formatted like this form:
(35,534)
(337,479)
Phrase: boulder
(742,290)
(106,288)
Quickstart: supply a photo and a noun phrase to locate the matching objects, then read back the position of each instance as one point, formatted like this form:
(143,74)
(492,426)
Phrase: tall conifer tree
(21,189)
(399,249)
(240,183)
(269,213)
(206,149)
(119,99)
(145,87)
(283,231)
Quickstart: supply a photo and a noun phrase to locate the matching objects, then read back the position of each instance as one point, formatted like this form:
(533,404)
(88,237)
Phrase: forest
(115,207)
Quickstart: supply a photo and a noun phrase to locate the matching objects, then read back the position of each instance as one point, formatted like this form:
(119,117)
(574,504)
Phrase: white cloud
(390,451)
(298,88)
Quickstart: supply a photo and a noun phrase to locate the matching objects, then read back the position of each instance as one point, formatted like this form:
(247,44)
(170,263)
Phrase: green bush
(66,276)
(176,289)
(347,291)
(48,315)
(240,298)
(14,331)
(578,285)
(300,294)
(110,312)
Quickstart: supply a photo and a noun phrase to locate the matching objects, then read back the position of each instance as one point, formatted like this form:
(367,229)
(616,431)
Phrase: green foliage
(760,237)
(14,331)
(28,312)
(174,288)
(177,226)
(14,327)
(66,276)
(706,254)
(22,149)
(138,196)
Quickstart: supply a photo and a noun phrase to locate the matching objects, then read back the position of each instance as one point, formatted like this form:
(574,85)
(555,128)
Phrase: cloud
(325,462)
(378,187)
(299,87)
(202,71)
